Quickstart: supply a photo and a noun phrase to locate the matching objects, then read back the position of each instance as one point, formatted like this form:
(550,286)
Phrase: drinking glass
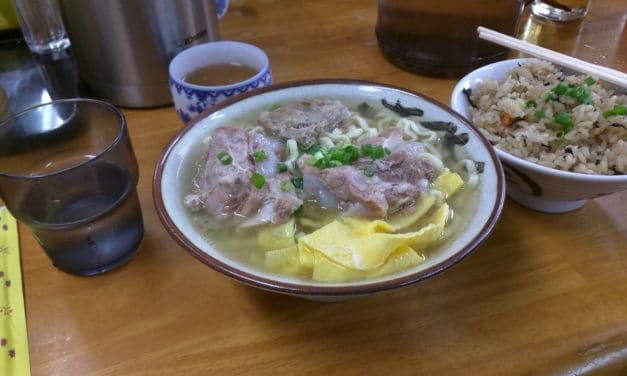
(68,172)
(560,10)
(439,37)
(41,24)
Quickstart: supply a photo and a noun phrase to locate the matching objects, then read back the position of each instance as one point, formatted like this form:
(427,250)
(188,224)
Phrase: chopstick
(604,73)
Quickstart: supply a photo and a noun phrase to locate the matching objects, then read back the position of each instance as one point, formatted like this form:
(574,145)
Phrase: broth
(220,74)
(240,244)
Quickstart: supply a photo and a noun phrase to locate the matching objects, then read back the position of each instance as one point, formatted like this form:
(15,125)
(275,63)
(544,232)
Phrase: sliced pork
(348,184)
(223,187)
(224,190)
(396,181)
(305,121)
(271,203)
(271,149)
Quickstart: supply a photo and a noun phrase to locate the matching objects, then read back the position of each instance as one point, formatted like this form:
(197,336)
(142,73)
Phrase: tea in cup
(207,74)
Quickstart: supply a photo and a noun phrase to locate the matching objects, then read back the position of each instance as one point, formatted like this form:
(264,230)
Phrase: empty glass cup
(68,171)
(41,24)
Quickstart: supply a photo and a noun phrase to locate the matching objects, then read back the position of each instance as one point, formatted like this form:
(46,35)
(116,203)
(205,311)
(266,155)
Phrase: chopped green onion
(274,107)
(581,93)
(374,152)
(540,114)
(260,155)
(298,212)
(312,149)
(531,103)
(282,167)
(590,81)
(617,110)
(351,154)
(286,185)
(560,89)
(297,183)
(224,157)
(322,157)
(366,150)
(335,154)
(334,163)
(299,235)
(549,96)
(368,171)
(322,163)
(565,120)
(257,180)
(378,152)
(316,158)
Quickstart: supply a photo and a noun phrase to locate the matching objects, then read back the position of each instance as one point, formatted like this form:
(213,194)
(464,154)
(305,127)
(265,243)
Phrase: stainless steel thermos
(123,47)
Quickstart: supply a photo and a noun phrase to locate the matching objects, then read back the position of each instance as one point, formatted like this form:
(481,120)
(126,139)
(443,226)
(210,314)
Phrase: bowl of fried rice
(561,135)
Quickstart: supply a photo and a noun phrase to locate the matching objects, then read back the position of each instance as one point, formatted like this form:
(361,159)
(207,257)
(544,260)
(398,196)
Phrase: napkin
(14,358)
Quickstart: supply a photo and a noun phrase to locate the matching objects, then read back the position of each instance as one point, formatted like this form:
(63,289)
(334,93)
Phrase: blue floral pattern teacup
(191,99)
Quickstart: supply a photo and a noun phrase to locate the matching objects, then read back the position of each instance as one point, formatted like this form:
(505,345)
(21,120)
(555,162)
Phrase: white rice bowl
(559,146)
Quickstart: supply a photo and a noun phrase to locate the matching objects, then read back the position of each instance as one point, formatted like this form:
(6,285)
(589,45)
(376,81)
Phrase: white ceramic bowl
(168,188)
(532,185)
(191,99)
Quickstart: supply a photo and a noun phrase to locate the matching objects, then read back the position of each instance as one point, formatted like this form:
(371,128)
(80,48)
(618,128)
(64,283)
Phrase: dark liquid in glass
(439,37)
(95,226)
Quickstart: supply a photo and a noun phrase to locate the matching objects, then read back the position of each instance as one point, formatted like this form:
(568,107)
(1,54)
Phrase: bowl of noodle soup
(328,189)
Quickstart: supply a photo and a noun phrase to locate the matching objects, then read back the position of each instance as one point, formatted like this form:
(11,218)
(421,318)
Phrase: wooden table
(545,294)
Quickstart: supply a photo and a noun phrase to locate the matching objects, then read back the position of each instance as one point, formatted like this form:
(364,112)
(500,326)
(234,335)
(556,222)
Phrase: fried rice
(568,122)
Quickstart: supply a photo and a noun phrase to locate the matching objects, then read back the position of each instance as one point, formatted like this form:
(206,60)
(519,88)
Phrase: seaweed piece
(366,110)
(440,126)
(617,125)
(402,110)
(468,92)
(456,139)
(569,150)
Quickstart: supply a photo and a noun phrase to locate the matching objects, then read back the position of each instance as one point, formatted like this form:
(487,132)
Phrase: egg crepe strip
(351,248)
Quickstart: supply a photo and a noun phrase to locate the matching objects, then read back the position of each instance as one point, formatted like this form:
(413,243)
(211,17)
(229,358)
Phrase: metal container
(123,47)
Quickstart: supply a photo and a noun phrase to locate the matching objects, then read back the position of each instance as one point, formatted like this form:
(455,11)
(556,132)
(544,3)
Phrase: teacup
(190,98)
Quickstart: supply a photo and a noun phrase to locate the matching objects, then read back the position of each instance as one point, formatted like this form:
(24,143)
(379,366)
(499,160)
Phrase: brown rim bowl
(173,170)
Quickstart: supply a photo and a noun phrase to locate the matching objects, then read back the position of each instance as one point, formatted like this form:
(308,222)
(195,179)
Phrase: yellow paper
(14,359)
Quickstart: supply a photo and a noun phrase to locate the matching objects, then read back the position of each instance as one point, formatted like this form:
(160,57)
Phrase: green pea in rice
(532,116)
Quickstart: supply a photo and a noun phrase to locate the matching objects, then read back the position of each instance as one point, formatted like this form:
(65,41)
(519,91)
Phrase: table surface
(545,294)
